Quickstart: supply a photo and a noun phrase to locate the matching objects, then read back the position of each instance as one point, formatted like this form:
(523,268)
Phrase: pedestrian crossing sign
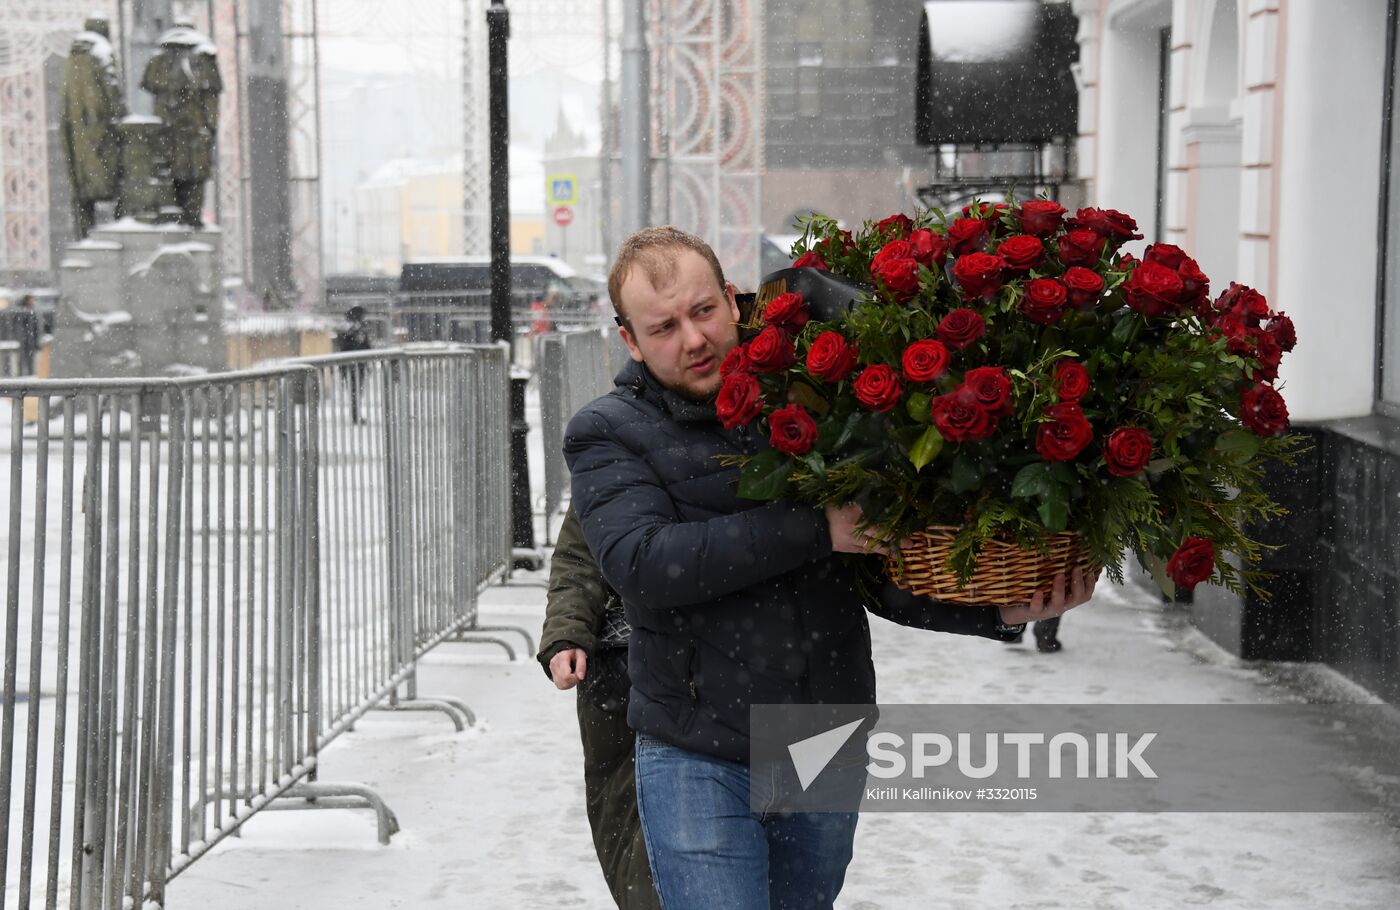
(563,189)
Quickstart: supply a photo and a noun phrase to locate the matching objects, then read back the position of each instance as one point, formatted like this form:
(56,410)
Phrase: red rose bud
(771,351)
(1065,434)
(925,361)
(1268,353)
(831,357)
(1085,287)
(1165,254)
(928,247)
(991,389)
(736,361)
(967,235)
(1263,411)
(1071,380)
(899,276)
(1192,563)
(877,388)
(1281,327)
(1127,451)
(791,430)
(1044,301)
(978,274)
(1081,248)
(788,311)
(1041,217)
(961,328)
(811,260)
(739,401)
(1110,224)
(1153,289)
(959,418)
(1022,252)
(900,225)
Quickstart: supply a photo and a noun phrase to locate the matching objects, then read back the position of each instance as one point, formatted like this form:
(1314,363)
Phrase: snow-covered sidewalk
(494,817)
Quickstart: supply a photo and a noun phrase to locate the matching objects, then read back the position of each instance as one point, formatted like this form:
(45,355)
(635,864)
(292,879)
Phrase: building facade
(1257,135)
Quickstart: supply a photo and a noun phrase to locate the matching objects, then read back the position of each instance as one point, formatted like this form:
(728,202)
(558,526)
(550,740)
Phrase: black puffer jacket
(732,602)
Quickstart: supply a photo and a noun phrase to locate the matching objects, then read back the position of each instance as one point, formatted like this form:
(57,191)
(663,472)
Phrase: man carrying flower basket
(732,601)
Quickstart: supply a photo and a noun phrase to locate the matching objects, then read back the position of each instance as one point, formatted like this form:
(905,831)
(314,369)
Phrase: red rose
(1281,327)
(1085,287)
(736,361)
(978,274)
(1065,434)
(811,260)
(1127,451)
(991,389)
(928,247)
(1263,411)
(1081,248)
(1022,252)
(1166,254)
(989,214)
(959,418)
(967,235)
(791,430)
(771,351)
(961,328)
(1110,224)
(1268,353)
(895,249)
(1195,286)
(1192,563)
(1040,217)
(877,388)
(831,357)
(925,361)
(900,225)
(1044,301)
(1071,380)
(788,311)
(899,276)
(1245,303)
(740,400)
(1153,289)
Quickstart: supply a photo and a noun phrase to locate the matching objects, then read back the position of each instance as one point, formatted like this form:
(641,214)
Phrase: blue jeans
(709,849)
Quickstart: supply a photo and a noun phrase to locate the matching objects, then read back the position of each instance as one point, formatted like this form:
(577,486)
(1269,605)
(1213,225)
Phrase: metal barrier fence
(246,563)
(573,369)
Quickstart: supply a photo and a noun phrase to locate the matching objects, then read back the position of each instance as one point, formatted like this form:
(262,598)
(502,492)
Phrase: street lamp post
(522,519)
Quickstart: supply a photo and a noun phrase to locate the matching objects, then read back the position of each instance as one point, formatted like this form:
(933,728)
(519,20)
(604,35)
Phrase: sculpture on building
(184,78)
(91,108)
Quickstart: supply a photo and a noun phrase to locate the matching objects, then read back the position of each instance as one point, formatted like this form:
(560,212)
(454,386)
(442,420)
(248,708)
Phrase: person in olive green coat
(584,644)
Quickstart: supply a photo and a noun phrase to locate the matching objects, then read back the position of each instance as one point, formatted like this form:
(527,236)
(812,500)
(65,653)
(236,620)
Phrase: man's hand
(568,667)
(842,521)
(1081,589)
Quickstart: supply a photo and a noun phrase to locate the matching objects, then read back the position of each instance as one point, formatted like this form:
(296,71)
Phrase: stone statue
(90,109)
(184,78)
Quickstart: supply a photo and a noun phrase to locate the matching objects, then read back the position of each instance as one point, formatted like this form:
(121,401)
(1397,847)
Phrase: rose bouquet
(1011,382)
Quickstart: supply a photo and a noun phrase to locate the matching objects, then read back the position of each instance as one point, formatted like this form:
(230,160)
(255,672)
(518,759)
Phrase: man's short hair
(654,250)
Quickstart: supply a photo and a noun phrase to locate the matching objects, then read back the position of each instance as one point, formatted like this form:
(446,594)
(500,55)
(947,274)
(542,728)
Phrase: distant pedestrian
(354,336)
(26,327)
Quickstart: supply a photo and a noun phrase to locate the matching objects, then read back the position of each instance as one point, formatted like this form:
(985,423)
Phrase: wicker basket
(1006,574)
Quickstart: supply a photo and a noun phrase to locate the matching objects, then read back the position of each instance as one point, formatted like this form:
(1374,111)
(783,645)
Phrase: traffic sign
(563,189)
(563,216)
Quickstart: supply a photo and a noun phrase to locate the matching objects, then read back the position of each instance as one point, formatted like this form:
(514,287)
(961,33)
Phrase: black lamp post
(497,36)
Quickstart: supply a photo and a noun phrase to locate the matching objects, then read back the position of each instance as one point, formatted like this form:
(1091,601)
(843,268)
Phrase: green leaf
(1032,480)
(967,476)
(919,407)
(1054,513)
(927,448)
(1158,568)
(1160,465)
(1123,329)
(1238,446)
(848,430)
(817,463)
(809,398)
(765,476)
